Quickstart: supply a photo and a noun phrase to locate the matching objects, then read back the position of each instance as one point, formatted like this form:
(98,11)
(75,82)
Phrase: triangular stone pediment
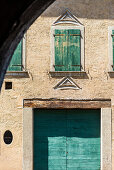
(67,17)
(67,83)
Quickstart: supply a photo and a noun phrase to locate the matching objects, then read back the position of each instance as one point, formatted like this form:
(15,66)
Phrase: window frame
(60,27)
(23,55)
(110,48)
(20,74)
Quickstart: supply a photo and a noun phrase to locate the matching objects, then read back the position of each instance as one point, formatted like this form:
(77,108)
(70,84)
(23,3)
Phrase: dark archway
(16,17)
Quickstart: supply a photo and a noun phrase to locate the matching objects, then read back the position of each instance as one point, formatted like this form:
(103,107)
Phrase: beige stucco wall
(96,17)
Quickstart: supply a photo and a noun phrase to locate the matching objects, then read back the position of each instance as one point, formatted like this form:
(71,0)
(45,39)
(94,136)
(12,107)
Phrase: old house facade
(57,98)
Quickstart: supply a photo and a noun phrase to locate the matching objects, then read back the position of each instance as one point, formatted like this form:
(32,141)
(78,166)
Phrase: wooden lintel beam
(58,104)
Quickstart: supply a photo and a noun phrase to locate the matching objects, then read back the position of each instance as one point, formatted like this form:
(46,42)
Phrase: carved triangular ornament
(69,18)
(67,83)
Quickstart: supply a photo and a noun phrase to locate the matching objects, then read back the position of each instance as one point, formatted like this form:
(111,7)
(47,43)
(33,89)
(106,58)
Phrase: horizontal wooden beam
(69,104)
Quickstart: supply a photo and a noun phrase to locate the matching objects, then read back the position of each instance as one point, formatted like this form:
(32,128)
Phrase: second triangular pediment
(67,83)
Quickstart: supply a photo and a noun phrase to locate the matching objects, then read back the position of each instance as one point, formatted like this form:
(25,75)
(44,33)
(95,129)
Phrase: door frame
(106,127)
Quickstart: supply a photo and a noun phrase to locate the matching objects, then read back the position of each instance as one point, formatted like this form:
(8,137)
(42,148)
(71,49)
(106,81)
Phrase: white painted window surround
(66,21)
(60,27)
(105,139)
(24,53)
(110,48)
(24,72)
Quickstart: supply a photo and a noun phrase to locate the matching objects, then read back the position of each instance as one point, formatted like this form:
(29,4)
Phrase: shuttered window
(16,61)
(113,48)
(67,50)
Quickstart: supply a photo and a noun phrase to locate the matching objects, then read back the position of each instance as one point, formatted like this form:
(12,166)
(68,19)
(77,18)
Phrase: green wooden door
(66,139)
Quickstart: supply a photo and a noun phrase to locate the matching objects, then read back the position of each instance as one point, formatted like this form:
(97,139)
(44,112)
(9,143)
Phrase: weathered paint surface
(16,61)
(67,139)
(61,104)
(61,50)
(74,50)
(67,50)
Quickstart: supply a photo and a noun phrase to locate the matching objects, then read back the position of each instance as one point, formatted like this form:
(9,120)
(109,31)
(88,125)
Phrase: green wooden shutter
(74,50)
(16,61)
(61,50)
(113,47)
(67,50)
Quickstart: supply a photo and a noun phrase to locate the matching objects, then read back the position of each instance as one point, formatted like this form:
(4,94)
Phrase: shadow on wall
(90,9)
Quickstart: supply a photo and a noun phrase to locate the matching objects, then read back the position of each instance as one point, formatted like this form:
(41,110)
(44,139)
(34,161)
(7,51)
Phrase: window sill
(17,74)
(76,74)
(111,74)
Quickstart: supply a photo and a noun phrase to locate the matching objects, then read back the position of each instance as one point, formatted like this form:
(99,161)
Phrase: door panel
(49,139)
(83,141)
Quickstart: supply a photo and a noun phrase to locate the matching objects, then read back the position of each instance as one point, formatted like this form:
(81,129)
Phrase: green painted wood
(74,50)
(61,50)
(49,140)
(113,47)
(57,153)
(83,141)
(66,139)
(16,61)
(67,50)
